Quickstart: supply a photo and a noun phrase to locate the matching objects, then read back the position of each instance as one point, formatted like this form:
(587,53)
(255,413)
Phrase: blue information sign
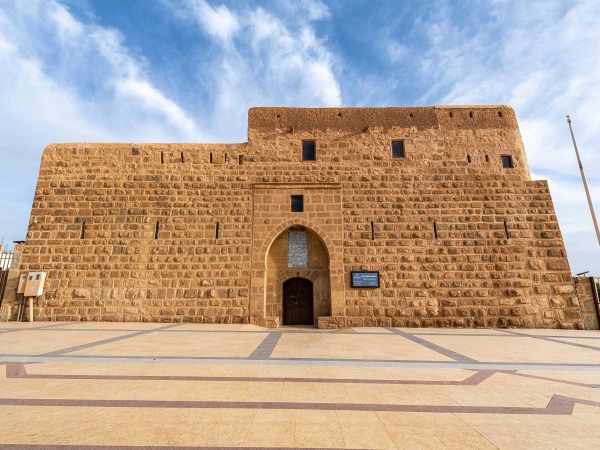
(365,279)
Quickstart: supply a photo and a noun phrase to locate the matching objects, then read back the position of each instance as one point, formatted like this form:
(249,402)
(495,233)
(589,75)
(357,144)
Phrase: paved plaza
(126,385)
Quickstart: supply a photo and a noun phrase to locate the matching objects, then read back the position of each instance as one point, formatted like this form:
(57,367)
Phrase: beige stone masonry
(128,232)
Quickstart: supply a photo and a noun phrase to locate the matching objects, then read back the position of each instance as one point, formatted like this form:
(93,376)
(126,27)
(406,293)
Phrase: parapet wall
(129,231)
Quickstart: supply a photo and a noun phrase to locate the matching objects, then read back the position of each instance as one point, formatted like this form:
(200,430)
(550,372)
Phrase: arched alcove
(316,269)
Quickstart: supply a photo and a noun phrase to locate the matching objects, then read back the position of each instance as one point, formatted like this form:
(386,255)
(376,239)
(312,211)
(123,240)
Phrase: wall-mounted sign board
(365,279)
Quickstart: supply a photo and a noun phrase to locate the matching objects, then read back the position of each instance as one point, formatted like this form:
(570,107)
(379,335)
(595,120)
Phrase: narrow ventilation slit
(487,159)
(211,158)
(451,115)
(505,230)
(372,231)
(225,157)
(162,157)
(410,115)
(499,113)
(471,114)
(240,159)
(469,159)
(83,230)
(181,157)
(435,229)
(156,230)
(217,231)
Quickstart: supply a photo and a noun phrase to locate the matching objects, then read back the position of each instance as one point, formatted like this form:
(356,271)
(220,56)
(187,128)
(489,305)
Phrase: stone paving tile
(299,403)
(515,349)
(36,342)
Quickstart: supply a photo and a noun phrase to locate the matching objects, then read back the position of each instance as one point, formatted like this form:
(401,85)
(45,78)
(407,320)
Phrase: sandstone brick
(151,250)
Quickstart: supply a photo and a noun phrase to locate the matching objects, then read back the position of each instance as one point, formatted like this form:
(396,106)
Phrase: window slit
(435,229)
(506,230)
(469,159)
(372,231)
(83,230)
(240,159)
(182,157)
(156,231)
(217,231)
(211,158)
(162,157)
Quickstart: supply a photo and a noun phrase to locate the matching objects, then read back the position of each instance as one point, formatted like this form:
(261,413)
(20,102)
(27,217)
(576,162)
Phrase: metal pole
(587,191)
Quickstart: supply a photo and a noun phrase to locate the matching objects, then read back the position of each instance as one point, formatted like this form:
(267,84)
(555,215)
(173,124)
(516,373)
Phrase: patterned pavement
(127,385)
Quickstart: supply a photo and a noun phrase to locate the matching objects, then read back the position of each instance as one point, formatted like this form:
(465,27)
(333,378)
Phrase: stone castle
(333,217)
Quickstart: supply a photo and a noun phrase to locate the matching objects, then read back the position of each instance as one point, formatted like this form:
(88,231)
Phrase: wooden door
(298,302)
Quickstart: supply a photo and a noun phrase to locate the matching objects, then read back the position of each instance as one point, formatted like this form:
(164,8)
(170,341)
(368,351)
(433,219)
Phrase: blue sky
(188,71)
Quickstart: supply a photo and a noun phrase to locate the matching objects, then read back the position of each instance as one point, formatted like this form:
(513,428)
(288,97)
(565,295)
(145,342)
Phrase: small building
(330,217)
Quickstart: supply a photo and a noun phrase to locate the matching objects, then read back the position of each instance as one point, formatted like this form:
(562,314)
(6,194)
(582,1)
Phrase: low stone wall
(588,301)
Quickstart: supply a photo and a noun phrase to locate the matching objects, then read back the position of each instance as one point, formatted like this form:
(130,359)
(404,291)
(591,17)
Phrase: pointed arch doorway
(290,278)
(298,302)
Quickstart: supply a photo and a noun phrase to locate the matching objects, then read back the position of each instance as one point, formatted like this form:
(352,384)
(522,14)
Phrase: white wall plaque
(297,249)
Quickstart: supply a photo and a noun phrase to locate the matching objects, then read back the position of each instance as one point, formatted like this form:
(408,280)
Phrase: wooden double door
(298,302)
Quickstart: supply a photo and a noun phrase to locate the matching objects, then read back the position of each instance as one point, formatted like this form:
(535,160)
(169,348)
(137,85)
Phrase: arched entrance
(298,261)
(298,302)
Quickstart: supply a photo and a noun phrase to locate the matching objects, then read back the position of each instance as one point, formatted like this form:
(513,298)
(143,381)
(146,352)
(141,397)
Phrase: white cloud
(217,21)
(46,57)
(267,62)
(396,51)
(316,10)
(542,58)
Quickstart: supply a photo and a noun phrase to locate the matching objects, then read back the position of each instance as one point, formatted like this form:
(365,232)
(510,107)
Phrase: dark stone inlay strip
(17,370)
(555,380)
(559,405)
(549,339)
(266,347)
(44,328)
(117,359)
(105,341)
(431,346)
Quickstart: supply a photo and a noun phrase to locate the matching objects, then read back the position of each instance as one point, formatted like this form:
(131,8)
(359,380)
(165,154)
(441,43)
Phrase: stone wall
(128,231)
(588,301)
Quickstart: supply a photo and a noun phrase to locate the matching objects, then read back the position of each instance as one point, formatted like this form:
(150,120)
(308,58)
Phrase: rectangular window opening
(487,158)
(162,157)
(83,230)
(397,149)
(210,158)
(217,231)
(372,231)
(156,231)
(507,162)
(181,157)
(469,159)
(240,159)
(506,230)
(297,203)
(308,151)
(435,229)
(225,157)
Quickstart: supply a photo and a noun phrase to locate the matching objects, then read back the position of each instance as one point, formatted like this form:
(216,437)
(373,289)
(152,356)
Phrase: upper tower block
(437,139)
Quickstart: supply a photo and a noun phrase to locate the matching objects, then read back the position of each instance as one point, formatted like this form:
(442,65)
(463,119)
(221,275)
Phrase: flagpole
(587,191)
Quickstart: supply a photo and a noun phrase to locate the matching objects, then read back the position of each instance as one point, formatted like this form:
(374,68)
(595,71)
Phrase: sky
(189,70)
